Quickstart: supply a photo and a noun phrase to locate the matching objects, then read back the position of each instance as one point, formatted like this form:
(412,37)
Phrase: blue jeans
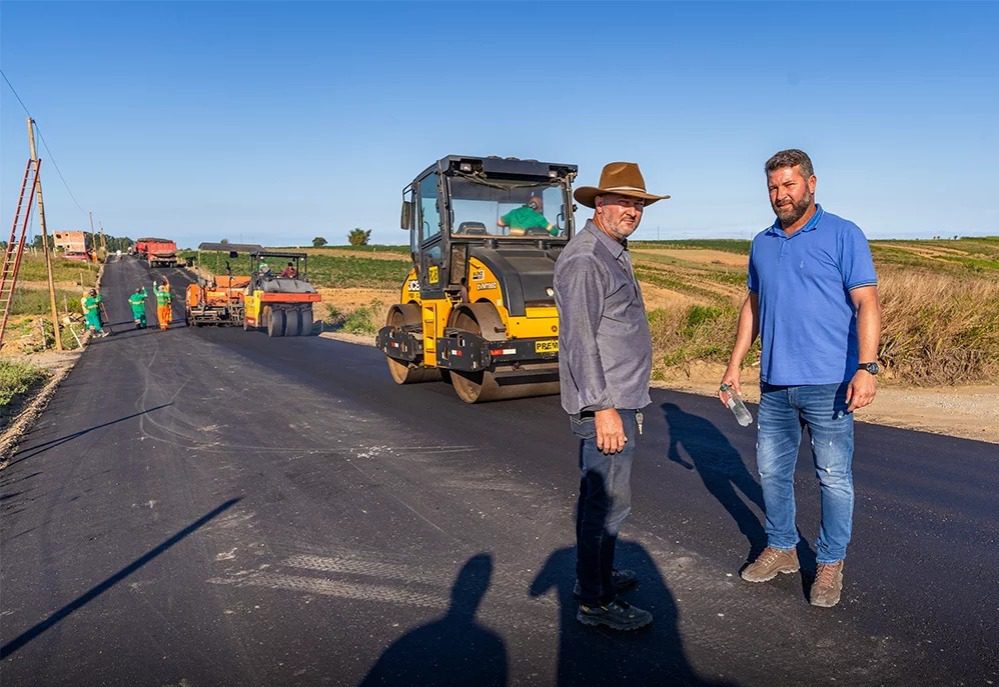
(784,411)
(604,503)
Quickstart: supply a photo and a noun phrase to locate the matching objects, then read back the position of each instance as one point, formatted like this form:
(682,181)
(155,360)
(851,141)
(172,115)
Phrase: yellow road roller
(478,308)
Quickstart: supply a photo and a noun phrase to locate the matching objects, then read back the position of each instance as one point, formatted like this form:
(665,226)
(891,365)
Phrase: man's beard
(790,215)
(622,229)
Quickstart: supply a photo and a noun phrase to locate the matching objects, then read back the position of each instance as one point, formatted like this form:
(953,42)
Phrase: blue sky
(278,122)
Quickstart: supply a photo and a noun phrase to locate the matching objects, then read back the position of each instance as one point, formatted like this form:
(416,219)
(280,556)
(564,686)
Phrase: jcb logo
(433,274)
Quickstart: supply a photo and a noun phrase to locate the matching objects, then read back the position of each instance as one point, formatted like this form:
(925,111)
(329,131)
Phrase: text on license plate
(549,346)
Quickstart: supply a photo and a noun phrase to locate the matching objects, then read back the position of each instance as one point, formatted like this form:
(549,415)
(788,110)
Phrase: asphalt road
(214,507)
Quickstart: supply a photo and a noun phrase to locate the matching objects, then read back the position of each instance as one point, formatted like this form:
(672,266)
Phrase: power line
(23,106)
(51,157)
(58,171)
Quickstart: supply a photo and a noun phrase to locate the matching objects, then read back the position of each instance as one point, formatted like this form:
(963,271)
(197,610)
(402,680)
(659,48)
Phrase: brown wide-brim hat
(619,178)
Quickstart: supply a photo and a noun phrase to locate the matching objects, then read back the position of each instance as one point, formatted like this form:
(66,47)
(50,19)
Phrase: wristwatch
(870,368)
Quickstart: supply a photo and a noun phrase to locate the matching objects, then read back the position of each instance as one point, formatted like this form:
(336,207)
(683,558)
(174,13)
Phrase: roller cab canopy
(231,247)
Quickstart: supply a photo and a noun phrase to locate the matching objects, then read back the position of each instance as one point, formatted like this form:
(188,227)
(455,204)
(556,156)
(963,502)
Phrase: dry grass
(939,327)
(688,333)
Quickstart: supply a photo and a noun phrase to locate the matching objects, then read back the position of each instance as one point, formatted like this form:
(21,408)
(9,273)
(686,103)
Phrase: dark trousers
(604,503)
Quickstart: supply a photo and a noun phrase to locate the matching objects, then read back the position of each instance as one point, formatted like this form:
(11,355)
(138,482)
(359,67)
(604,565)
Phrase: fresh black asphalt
(215,507)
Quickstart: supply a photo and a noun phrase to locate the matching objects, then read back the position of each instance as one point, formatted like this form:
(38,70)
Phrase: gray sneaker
(617,615)
(769,563)
(828,585)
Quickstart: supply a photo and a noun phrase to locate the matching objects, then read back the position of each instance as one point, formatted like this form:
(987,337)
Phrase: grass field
(35,301)
(940,300)
(33,270)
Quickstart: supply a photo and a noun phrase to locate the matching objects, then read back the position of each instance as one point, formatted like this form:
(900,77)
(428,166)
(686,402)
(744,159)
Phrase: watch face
(873,368)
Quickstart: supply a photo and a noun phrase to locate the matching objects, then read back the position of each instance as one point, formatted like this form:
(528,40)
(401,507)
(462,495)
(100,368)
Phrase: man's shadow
(720,468)
(454,650)
(587,655)
(723,473)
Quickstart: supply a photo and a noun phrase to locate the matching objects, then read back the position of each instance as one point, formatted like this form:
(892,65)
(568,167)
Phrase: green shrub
(364,320)
(16,378)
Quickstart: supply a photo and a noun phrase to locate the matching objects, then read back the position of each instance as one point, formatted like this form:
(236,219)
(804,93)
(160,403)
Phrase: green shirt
(90,303)
(162,298)
(137,300)
(524,217)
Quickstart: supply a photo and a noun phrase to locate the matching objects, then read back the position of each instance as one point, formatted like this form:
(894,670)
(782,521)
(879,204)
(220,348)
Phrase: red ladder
(15,245)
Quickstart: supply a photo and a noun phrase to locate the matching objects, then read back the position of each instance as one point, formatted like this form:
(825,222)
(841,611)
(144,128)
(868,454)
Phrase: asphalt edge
(11,436)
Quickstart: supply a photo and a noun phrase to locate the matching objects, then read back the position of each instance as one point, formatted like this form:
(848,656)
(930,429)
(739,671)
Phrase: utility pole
(45,242)
(93,237)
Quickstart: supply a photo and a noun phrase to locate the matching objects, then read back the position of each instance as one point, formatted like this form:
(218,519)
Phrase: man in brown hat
(605,358)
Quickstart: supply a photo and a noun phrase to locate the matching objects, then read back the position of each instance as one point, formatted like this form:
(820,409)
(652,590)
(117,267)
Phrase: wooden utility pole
(45,242)
(93,238)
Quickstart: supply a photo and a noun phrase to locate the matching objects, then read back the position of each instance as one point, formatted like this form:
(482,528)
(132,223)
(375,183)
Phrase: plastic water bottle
(738,408)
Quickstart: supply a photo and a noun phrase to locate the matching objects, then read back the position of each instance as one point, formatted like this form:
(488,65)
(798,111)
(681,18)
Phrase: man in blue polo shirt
(813,300)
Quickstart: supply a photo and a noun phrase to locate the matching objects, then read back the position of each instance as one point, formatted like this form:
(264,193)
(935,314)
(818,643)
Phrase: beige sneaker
(828,585)
(769,563)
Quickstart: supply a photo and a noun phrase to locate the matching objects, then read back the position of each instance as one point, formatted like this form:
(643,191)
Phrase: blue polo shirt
(808,324)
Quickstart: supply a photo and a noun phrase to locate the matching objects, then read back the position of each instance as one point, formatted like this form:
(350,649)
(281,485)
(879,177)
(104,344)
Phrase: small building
(71,241)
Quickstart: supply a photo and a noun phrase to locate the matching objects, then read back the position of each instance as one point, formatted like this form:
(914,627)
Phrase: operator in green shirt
(138,302)
(526,217)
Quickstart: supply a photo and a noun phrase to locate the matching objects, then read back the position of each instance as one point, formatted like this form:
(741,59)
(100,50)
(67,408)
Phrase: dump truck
(478,306)
(279,301)
(157,252)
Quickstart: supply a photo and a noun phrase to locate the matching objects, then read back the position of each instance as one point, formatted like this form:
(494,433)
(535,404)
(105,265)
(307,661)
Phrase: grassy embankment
(17,377)
(940,301)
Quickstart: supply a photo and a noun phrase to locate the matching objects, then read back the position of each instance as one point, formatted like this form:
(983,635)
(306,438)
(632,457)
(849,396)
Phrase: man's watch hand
(872,368)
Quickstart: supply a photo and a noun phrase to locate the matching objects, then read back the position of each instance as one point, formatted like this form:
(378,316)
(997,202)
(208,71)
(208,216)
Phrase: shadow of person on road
(653,655)
(454,650)
(720,468)
(724,474)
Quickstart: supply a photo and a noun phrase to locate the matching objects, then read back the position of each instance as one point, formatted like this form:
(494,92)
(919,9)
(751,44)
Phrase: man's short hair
(792,157)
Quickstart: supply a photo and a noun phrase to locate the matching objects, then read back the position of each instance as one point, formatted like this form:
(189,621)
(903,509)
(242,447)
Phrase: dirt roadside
(970,412)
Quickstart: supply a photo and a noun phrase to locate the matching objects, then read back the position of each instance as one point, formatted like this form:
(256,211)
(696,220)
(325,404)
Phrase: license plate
(550,346)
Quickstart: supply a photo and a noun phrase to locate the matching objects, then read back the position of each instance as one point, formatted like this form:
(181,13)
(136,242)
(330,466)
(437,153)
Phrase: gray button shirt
(605,350)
